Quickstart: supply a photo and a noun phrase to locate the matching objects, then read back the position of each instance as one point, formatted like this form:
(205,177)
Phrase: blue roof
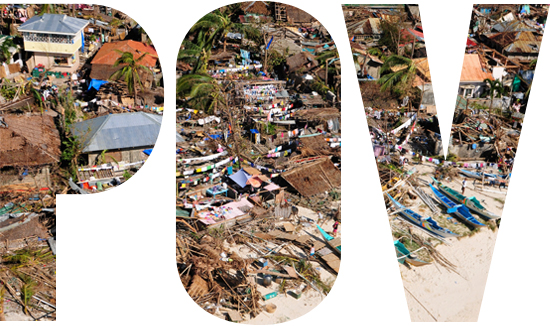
(119,131)
(240,178)
(53,24)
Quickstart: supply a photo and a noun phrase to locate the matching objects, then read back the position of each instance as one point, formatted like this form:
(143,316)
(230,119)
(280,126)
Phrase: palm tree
(49,9)
(7,49)
(201,91)
(216,25)
(397,74)
(130,71)
(495,88)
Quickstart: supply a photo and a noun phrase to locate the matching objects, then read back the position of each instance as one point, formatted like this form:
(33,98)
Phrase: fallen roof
(54,24)
(255,7)
(29,141)
(514,42)
(297,15)
(107,54)
(299,60)
(119,131)
(314,178)
(513,26)
(472,70)
(423,67)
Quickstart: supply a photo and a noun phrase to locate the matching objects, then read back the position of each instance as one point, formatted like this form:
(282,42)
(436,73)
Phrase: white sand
(447,296)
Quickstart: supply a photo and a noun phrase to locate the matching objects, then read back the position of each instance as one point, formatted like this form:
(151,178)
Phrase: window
(61,61)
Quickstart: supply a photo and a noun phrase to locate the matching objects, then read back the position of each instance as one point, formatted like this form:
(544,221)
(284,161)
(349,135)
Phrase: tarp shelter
(97,83)
(240,178)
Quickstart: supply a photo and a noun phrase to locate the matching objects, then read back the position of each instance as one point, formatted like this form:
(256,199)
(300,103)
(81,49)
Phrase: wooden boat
(404,255)
(459,210)
(471,202)
(425,223)
(479,175)
(334,243)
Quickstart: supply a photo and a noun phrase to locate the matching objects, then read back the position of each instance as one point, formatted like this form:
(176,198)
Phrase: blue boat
(461,211)
(479,175)
(471,202)
(426,223)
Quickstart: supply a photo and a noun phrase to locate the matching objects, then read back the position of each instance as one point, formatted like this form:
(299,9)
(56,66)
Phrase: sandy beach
(435,293)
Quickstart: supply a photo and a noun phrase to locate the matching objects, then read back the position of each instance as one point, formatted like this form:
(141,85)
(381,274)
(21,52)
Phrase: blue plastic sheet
(97,83)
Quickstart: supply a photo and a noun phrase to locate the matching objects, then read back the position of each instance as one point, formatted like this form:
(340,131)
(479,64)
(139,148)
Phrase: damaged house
(29,145)
(105,58)
(472,77)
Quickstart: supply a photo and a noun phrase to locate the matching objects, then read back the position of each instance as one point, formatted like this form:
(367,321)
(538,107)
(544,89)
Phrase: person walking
(463,186)
(335,228)
(311,251)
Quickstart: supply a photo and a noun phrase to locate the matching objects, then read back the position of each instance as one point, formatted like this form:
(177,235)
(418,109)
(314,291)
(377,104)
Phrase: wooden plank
(323,252)
(291,271)
(289,227)
(335,242)
(234,316)
(318,245)
(263,271)
(335,265)
(303,239)
(330,257)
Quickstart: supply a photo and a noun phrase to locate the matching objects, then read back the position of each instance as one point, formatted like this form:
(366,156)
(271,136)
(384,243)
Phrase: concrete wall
(128,156)
(49,47)
(42,178)
(48,60)
(465,151)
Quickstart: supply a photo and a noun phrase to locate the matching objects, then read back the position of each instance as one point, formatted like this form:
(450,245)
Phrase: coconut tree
(495,89)
(49,9)
(7,49)
(397,74)
(129,71)
(215,27)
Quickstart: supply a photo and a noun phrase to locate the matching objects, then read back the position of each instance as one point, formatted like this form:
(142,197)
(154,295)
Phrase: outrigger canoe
(471,202)
(479,175)
(426,223)
(459,210)
(404,255)
(330,240)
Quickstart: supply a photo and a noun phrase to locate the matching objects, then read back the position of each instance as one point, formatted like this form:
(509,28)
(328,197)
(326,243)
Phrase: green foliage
(397,75)
(389,37)
(271,129)
(8,90)
(130,70)
(320,87)
(127,175)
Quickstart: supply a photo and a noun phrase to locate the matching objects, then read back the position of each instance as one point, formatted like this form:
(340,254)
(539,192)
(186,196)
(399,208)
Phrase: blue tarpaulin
(268,44)
(254,131)
(148,151)
(82,36)
(97,83)
(240,178)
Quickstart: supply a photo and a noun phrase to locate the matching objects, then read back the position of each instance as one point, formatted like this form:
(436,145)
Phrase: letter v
(432,199)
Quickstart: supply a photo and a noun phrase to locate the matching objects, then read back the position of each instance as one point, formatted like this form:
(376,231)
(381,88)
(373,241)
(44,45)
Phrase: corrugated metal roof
(107,54)
(53,24)
(472,70)
(119,131)
(513,26)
